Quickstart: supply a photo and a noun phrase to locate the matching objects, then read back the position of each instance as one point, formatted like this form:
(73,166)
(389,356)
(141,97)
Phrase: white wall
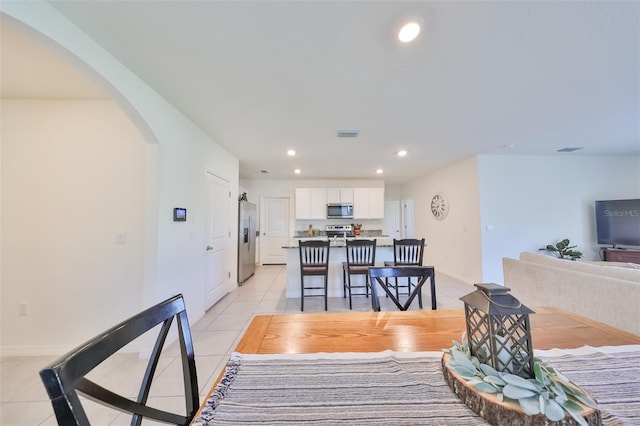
(73,178)
(503,205)
(528,202)
(453,245)
(173,253)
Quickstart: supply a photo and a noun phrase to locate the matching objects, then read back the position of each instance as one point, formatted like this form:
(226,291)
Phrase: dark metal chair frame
(377,274)
(406,252)
(314,261)
(361,254)
(65,377)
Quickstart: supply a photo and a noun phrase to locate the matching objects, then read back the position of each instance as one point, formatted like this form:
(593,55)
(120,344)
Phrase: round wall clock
(439,206)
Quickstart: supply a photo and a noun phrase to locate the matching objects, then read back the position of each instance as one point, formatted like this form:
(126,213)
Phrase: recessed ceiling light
(297,171)
(402,153)
(409,31)
(379,171)
(291,152)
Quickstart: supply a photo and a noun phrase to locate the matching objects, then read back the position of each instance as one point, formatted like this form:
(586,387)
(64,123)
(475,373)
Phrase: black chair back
(314,256)
(408,251)
(65,377)
(361,253)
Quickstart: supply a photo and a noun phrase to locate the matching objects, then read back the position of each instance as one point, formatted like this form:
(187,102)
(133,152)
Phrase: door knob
(209,248)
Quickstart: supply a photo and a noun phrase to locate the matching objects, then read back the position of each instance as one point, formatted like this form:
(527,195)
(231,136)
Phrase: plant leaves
(586,400)
(537,371)
(554,411)
(494,380)
(572,405)
(489,370)
(530,406)
(464,372)
(558,390)
(576,416)
(519,381)
(486,387)
(461,359)
(562,376)
(516,392)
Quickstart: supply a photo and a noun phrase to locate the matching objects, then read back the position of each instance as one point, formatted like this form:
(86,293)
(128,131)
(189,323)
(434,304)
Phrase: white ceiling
(264,76)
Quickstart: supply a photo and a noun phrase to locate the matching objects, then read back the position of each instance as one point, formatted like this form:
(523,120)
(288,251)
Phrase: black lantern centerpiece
(498,329)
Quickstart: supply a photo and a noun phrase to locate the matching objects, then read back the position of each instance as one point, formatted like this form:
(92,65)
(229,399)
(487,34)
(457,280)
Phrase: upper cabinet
(340,195)
(311,203)
(368,203)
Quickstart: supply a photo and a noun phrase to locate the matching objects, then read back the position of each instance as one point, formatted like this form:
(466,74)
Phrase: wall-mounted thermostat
(179,214)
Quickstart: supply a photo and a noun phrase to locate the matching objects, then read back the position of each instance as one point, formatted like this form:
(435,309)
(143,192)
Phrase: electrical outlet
(23,309)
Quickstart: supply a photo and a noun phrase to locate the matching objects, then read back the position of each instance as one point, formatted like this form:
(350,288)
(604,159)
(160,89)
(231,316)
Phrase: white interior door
(392,222)
(274,227)
(408,230)
(218,239)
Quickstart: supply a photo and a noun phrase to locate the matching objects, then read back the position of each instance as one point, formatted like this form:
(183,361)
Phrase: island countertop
(382,241)
(337,255)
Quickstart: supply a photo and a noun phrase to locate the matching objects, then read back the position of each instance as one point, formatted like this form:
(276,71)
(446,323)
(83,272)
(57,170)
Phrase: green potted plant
(563,250)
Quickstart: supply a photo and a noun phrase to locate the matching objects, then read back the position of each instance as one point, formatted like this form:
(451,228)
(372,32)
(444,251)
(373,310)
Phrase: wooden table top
(410,331)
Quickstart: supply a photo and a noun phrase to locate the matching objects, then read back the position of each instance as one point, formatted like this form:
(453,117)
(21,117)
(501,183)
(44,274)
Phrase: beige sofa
(608,292)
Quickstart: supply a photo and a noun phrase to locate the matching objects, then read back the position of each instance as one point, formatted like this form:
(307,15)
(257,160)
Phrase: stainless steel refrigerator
(246,240)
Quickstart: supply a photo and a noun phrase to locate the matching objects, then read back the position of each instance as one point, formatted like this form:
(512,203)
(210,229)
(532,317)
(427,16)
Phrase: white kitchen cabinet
(340,195)
(311,203)
(376,203)
(368,203)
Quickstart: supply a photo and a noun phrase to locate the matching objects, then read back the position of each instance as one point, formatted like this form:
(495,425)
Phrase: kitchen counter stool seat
(314,261)
(361,254)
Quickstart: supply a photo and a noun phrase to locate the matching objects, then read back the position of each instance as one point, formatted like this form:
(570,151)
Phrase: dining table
(415,331)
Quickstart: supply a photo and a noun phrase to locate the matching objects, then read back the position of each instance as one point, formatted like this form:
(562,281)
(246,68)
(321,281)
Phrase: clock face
(439,206)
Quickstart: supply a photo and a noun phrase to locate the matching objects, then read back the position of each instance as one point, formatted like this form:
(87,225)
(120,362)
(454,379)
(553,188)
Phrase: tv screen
(618,222)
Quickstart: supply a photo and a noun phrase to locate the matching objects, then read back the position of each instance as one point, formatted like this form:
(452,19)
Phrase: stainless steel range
(339,231)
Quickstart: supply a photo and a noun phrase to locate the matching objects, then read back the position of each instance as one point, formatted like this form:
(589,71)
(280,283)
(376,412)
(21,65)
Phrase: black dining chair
(314,261)
(406,252)
(379,276)
(361,254)
(66,378)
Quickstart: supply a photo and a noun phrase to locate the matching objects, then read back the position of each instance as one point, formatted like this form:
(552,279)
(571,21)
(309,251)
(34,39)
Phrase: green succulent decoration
(563,250)
(549,393)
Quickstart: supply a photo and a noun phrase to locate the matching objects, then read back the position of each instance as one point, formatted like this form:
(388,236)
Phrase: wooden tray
(506,412)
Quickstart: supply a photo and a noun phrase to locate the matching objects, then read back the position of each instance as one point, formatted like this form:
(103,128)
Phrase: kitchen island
(337,255)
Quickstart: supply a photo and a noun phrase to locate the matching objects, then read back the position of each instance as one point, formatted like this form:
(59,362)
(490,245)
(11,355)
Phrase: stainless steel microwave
(340,211)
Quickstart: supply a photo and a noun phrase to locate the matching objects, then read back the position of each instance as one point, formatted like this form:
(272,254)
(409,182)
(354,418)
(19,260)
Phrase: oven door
(339,211)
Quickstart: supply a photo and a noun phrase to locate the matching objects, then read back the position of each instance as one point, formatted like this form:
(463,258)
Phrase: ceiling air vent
(348,133)
(570,149)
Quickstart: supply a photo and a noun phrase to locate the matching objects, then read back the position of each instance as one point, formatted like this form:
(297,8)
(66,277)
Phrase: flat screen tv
(618,222)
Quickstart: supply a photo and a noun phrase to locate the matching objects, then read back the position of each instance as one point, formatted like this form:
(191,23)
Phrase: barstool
(314,261)
(361,254)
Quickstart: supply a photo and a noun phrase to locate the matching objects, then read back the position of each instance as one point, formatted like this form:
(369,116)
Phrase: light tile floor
(23,400)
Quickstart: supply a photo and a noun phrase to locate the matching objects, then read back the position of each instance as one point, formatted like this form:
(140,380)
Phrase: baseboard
(58,350)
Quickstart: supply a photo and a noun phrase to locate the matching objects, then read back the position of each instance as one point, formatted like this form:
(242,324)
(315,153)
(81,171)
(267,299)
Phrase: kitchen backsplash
(364,233)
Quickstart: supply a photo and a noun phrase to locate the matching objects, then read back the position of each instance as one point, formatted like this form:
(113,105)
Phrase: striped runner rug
(395,388)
